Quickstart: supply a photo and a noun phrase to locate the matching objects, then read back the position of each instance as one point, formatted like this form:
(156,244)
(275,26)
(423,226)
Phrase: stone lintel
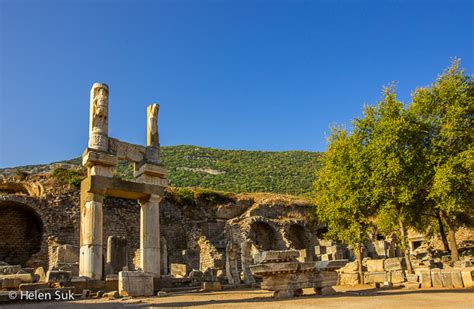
(120,188)
(92,157)
(150,169)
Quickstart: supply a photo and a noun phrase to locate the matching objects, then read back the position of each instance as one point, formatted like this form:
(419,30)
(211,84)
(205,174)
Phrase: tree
(447,108)
(342,193)
(395,146)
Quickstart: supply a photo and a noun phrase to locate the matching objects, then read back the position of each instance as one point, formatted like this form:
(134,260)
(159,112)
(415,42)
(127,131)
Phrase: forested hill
(288,172)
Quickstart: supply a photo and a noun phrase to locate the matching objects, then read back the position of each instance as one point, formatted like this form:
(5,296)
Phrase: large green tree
(447,108)
(342,193)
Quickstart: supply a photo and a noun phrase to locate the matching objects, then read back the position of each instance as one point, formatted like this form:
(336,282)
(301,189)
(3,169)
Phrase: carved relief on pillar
(152,125)
(99,117)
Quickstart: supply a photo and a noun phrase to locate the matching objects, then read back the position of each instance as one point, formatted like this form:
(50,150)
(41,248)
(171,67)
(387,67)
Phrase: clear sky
(257,75)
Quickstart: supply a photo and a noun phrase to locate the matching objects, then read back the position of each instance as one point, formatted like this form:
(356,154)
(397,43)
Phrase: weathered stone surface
(392,264)
(375,277)
(11,283)
(397,276)
(412,277)
(134,283)
(424,276)
(39,271)
(99,115)
(276,256)
(412,285)
(350,267)
(467,275)
(436,279)
(446,276)
(349,279)
(212,286)
(58,276)
(375,265)
(117,254)
(9,269)
(67,254)
(179,270)
(26,278)
(457,279)
(328,291)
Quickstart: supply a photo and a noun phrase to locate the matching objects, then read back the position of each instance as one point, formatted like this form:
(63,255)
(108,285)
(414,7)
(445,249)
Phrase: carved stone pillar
(150,236)
(99,117)
(91,239)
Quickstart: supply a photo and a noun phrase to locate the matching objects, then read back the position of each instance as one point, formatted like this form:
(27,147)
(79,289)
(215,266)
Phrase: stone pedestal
(135,283)
(150,236)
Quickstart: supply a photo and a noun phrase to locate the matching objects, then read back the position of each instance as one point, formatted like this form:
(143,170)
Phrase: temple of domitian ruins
(134,238)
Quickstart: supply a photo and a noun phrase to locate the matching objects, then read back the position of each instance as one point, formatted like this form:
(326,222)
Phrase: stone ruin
(136,238)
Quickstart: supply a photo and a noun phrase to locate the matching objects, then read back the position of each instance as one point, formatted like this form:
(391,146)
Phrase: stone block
(424,276)
(375,265)
(33,286)
(58,276)
(212,286)
(467,275)
(25,278)
(11,283)
(457,279)
(446,276)
(412,285)
(318,250)
(412,277)
(436,279)
(67,254)
(328,291)
(275,256)
(375,277)
(350,279)
(135,283)
(179,270)
(327,257)
(393,264)
(397,276)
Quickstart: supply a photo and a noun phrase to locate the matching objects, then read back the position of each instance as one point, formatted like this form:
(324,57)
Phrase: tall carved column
(90,263)
(99,117)
(150,236)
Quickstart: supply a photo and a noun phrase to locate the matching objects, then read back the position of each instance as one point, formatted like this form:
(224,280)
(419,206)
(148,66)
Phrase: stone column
(150,236)
(99,117)
(90,260)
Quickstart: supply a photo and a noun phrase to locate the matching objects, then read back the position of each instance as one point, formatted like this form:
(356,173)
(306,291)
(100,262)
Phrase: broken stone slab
(60,276)
(135,283)
(375,265)
(467,275)
(179,270)
(212,286)
(277,256)
(436,279)
(393,264)
(33,286)
(39,271)
(350,267)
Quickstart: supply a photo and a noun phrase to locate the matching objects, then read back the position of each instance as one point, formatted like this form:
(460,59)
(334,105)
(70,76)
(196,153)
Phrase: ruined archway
(22,230)
(263,236)
(297,235)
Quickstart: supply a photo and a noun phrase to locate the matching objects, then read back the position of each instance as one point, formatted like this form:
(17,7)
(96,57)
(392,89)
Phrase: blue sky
(256,75)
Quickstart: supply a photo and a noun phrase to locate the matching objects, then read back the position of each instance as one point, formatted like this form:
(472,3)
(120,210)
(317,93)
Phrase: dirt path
(253,298)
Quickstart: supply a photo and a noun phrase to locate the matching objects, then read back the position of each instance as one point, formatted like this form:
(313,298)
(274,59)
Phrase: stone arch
(298,236)
(264,236)
(22,232)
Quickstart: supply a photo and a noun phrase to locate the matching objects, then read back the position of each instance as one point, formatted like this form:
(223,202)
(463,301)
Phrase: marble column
(150,236)
(90,260)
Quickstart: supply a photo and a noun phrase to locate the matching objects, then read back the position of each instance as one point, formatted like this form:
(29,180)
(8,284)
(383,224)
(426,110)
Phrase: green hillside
(290,172)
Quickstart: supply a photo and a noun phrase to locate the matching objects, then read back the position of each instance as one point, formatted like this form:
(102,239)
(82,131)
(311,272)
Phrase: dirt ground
(358,297)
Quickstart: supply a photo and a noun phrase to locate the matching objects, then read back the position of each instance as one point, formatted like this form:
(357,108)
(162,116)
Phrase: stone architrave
(231,267)
(150,235)
(99,114)
(246,260)
(117,254)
